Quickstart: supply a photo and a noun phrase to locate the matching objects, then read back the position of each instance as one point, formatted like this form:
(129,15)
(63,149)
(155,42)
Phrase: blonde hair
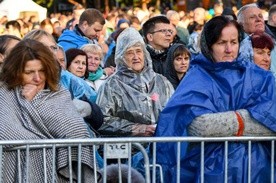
(93,48)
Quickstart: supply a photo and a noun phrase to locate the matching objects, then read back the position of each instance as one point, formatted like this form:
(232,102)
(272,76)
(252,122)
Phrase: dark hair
(23,52)
(213,28)
(262,40)
(134,19)
(228,12)
(45,22)
(121,21)
(117,33)
(71,54)
(180,50)
(91,16)
(149,25)
(14,24)
(4,41)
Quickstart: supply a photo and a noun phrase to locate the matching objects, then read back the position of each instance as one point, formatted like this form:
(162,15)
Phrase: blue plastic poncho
(78,87)
(212,87)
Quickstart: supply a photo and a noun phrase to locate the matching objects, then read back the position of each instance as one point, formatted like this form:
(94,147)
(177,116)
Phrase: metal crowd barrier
(120,148)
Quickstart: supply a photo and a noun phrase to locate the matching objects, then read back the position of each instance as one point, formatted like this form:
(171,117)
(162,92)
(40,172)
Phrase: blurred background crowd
(56,15)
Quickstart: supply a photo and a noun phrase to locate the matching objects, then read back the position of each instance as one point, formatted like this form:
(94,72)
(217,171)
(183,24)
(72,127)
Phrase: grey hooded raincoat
(129,98)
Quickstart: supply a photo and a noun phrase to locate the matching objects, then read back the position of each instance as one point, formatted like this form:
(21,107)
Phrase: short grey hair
(240,16)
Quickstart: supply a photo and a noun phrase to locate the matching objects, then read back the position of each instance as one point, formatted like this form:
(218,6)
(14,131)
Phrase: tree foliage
(45,3)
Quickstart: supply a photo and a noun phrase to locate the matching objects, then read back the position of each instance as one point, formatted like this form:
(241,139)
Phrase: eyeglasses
(163,31)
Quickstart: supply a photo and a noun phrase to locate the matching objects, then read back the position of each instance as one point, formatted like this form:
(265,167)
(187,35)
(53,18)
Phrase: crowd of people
(143,74)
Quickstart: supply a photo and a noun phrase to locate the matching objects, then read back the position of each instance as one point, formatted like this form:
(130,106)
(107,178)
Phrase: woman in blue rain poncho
(221,95)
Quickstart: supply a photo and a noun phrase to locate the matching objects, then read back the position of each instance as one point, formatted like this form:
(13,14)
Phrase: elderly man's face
(134,58)
(253,20)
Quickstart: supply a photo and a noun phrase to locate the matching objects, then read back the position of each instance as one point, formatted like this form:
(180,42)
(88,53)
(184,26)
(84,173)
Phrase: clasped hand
(29,91)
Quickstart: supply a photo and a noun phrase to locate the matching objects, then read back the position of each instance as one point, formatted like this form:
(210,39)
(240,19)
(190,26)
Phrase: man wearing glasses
(87,31)
(158,34)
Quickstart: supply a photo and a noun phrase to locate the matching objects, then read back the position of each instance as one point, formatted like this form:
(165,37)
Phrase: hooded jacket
(129,98)
(211,87)
(170,72)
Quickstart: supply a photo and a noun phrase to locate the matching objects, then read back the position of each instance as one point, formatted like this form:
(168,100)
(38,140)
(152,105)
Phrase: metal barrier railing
(118,148)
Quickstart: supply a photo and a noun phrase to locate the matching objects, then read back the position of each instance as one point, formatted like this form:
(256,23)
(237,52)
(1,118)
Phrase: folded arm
(227,124)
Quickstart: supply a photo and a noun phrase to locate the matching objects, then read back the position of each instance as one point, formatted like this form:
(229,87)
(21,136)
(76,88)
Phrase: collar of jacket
(157,54)
(78,30)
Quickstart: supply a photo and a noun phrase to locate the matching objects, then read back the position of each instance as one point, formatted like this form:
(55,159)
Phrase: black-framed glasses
(163,31)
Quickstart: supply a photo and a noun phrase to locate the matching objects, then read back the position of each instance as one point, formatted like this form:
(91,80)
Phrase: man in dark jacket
(158,35)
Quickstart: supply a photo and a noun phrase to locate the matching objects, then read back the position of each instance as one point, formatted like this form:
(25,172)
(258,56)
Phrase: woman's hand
(29,91)
(143,130)
(109,70)
(150,129)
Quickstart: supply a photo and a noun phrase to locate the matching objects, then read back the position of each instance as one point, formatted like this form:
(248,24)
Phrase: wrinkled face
(181,63)
(262,57)
(161,37)
(93,31)
(253,20)
(134,58)
(94,61)
(227,47)
(34,74)
(78,66)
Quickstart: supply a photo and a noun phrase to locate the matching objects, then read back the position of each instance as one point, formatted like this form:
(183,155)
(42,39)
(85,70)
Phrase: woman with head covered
(178,60)
(132,98)
(222,95)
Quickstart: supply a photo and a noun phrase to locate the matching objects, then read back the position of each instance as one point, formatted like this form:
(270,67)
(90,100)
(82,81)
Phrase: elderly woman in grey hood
(132,98)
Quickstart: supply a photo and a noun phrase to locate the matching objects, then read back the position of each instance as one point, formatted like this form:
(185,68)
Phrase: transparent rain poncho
(130,100)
